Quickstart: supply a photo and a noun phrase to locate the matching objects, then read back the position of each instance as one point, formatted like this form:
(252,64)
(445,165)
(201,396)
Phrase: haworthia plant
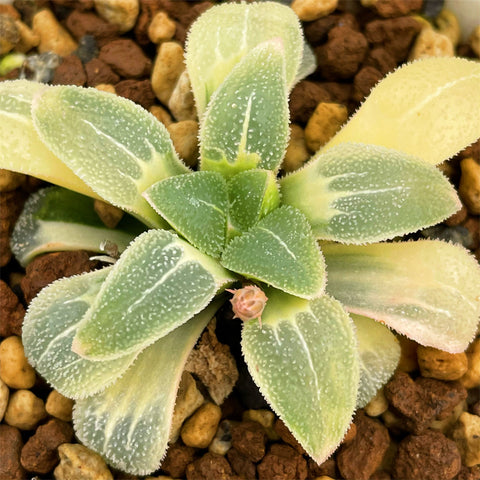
(316,349)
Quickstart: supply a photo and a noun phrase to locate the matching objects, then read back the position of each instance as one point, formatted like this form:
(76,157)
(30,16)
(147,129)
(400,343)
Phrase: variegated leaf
(158,284)
(357,193)
(427,290)
(304,359)
(246,123)
(280,251)
(111,143)
(48,330)
(223,35)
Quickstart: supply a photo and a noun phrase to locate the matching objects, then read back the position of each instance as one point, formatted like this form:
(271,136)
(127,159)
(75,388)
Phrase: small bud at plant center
(248,303)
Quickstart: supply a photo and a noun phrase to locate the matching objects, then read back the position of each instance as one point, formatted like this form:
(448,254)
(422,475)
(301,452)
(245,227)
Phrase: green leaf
(55,219)
(428,108)
(158,284)
(304,360)
(280,251)
(426,290)
(129,423)
(379,356)
(246,123)
(112,144)
(48,330)
(224,34)
(195,205)
(252,195)
(308,64)
(22,151)
(358,193)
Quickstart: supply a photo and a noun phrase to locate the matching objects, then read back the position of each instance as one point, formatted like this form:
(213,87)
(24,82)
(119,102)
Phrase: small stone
(380,59)
(457,218)
(121,13)
(241,465)
(286,435)
(126,58)
(469,188)
(327,469)
(138,91)
(282,463)
(429,456)
(109,214)
(161,114)
(99,72)
(266,418)
(441,365)
(303,100)
(377,405)
(466,435)
(24,410)
(59,406)
(184,136)
(181,102)
(471,379)
(188,400)
(177,459)
(474,41)
(12,310)
(162,28)
(4,395)
(53,37)
(80,463)
(87,48)
(88,23)
(10,447)
(9,33)
(309,10)
(447,24)
(363,82)
(169,65)
(326,120)
(209,467)
(222,442)
(39,454)
(106,87)
(296,154)
(28,38)
(396,8)
(358,459)
(70,72)
(249,439)
(430,43)
(199,430)
(15,370)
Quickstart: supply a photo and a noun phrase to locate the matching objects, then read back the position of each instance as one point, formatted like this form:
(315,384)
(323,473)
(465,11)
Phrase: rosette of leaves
(116,339)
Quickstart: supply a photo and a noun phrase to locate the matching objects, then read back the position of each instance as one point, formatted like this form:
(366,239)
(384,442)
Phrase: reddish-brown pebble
(396,8)
(126,58)
(12,312)
(365,79)
(70,72)
(88,23)
(98,72)
(286,435)
(10,447)
(304,98)
(241,465)
(249,438)
(138,91)
(282,462)
(210,466)
(177,458)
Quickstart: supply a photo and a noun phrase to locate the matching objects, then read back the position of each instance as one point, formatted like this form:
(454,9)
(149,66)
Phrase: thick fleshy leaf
(427,290)
(55,219)
(195,205)
(224,34)
(111,143)
(22,150)
(379,352)
(129,423)
(358,193)
(428,108)
(308,64)
(48,330)
(280,251)
(304,359)
(251,195)
(158,284)
(246,123)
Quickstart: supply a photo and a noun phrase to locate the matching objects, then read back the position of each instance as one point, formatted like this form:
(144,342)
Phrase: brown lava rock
(126,58)
(381,60)
(364,81)
(99,72)
(70,72)
(210,466)
(88,23)
(429,456)
(284,433)
(396,8)
(10,446)
(12,312)
(139,91)
(249,439)
(305,97)
(177,459)
(327,468)
(45,269)
(39,454)
(358,459)
(282,463)
(241,465)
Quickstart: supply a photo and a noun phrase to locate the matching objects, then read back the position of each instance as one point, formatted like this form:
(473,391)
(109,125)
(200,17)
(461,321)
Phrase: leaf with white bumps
(48,330)
(195,205)
(22,150)
(304,360)
(280,251)
(158,284)
(427,290)
(223,35)
(129,423)
(246,123)
(55,219)
(428,108)
(111,143)
(379,352)
(357,193)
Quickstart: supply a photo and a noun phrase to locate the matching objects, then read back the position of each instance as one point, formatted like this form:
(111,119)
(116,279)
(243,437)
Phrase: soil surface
(416,428)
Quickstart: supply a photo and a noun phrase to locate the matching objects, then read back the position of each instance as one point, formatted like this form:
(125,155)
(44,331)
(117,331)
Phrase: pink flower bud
(248,303)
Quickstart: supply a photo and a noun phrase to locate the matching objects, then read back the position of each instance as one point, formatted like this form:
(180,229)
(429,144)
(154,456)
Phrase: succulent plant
(117,339)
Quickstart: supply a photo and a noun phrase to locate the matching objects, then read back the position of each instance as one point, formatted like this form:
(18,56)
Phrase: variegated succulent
(117,339)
